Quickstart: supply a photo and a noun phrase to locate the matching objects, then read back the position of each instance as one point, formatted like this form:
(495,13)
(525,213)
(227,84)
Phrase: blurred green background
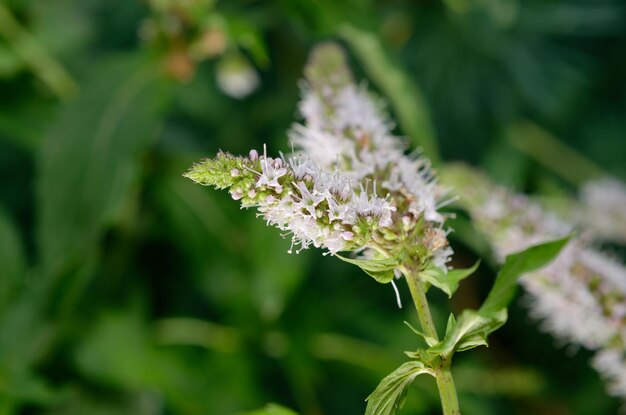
(126,289)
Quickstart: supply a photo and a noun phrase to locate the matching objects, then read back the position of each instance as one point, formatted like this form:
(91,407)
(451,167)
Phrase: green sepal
(379,269)
(390,394)
(448,282)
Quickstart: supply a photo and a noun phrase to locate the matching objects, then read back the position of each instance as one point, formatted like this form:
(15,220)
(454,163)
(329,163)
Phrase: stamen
(393,284)
(252,170)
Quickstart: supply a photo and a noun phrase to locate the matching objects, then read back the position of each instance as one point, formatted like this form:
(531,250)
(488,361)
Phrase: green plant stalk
(447,390)
(35,56)
(445,382)
(552,153)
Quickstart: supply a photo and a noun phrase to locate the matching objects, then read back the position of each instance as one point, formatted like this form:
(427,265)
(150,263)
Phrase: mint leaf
(448,282)
(431,341)
(379,269)
(390,393)
(471,330)
(516,265)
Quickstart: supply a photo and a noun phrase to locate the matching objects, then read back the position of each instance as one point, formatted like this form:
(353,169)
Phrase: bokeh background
(126,289)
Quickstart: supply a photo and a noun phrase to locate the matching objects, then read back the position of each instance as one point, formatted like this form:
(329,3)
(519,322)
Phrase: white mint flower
(604,208)
(271,171)
(346,128)
(308,201)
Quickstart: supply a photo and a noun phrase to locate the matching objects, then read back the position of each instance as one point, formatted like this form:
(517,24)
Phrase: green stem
(35,56)
(445,382)
(447,392)
(547,150)
(421,303)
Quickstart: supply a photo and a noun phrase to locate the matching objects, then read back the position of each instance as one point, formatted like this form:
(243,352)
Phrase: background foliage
(127,289)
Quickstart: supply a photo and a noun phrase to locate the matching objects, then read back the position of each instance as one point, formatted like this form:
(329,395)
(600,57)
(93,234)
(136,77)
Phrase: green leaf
(516,265)
(250,38)
(121,347)
(90,160)
(450,325)
(272,409)
(448,282)
(477,328)
(390,393)
(379,269)
(10,64)
(431,341)
(471,330)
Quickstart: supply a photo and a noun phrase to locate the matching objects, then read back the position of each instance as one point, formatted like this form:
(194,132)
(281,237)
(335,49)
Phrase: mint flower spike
(346,128)
(348,186)
(580,297)
(299,198)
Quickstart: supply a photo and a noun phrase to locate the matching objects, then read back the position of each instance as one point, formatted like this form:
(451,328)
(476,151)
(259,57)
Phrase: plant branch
(421,302)
(445,382)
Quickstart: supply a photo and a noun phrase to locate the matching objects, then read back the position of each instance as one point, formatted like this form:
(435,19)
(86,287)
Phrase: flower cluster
(580,297)
(348,186)
(317,207)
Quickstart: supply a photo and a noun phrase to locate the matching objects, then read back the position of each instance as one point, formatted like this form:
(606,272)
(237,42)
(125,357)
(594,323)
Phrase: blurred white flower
(236,77)
(604,208)
(611,363)
(581,296)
